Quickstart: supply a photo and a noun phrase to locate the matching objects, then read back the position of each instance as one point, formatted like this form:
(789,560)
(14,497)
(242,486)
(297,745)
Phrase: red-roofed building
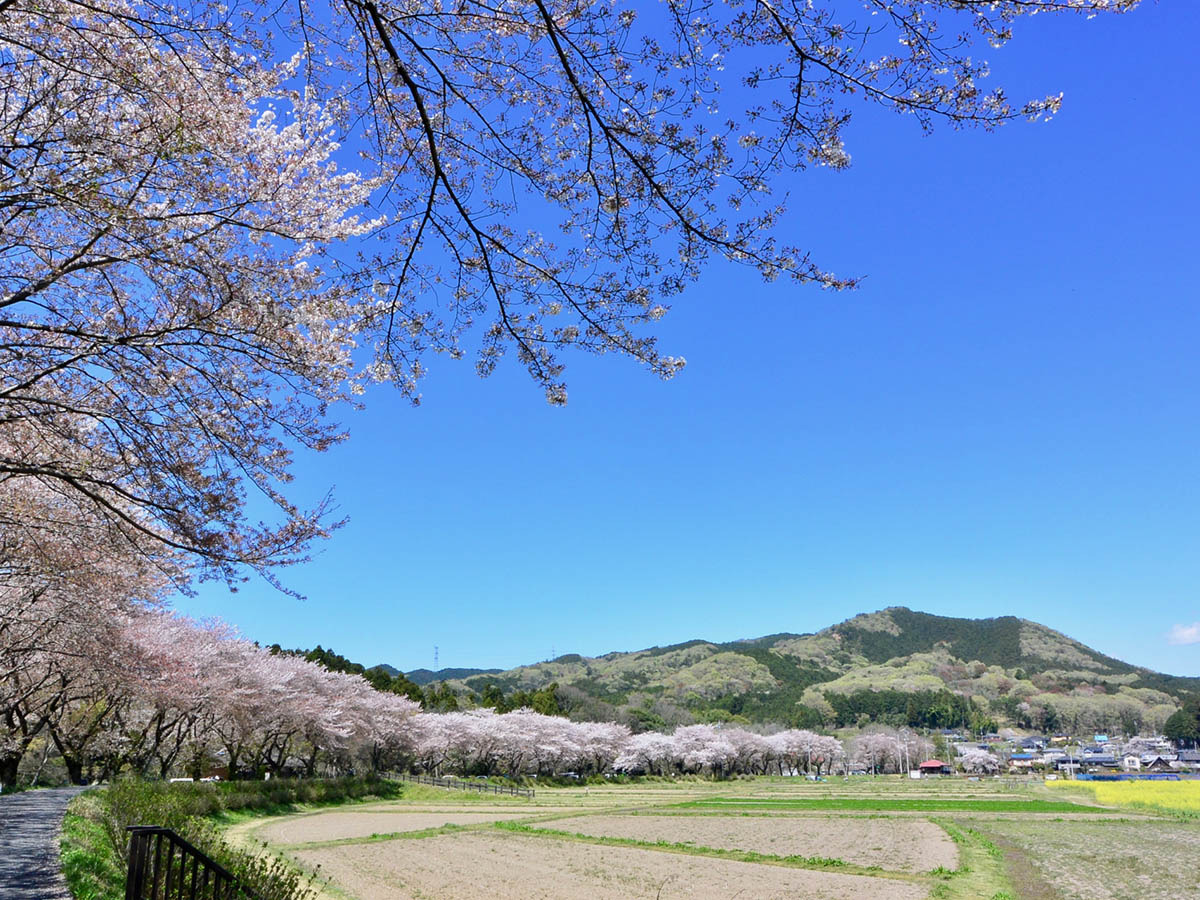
(934,767)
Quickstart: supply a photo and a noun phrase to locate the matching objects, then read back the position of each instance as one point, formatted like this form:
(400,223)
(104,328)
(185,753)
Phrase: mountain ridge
(884,665)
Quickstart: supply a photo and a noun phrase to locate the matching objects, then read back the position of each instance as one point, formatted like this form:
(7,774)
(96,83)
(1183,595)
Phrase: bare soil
(909,845)
(332,826)
(468,866)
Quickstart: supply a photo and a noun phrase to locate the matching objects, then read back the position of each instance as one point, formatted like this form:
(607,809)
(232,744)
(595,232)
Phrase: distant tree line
(1183,726)
(920,709)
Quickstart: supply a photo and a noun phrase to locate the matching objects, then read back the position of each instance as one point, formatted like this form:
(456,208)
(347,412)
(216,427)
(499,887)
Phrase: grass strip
(891,804)
(981,872)
(88,864)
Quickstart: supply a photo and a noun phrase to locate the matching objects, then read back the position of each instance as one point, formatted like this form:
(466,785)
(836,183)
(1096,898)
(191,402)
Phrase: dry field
(332,826)
(902,844)
(467,866)
(750,839)
(1087,860)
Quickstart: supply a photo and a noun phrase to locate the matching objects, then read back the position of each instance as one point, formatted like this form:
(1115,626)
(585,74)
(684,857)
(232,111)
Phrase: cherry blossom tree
(800,750)
(877,752)
(172,662)
(155,693)
(69,582)
(168,330)
(829,755)
(648,753)
(186,274)
(517,743)
(267,710)
(888,750)
(717,751)
(979,762)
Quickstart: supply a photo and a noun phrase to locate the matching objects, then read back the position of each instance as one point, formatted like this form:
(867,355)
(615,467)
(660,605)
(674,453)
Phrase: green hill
(426,676)
(895,665)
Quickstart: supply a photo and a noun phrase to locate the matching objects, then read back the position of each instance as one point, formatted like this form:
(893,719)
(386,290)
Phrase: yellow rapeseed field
(1163,796)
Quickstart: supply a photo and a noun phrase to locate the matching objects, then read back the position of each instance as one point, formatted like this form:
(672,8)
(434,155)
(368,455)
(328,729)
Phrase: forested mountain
(895,665)
(425,676)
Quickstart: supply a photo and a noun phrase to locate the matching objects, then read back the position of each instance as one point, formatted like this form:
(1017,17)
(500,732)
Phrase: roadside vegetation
(95,844)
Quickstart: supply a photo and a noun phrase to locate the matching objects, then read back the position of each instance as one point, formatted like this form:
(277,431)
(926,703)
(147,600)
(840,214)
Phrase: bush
(129,802)
(264,874)
(96,842)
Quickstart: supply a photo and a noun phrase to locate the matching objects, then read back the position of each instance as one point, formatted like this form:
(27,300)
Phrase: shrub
(96,842)
(266,875)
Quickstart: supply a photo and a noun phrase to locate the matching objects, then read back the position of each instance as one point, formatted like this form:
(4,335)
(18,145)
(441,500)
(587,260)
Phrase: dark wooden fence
(163,866)
(462,784)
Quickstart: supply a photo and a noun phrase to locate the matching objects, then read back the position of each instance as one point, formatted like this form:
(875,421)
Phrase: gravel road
(29,826)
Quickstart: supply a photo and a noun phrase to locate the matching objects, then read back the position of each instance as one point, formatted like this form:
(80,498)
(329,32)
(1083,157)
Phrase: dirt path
(29,827)
(1026,880)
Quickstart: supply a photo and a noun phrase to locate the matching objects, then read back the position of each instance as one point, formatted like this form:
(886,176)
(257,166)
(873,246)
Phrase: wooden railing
(461,784)
(163,866)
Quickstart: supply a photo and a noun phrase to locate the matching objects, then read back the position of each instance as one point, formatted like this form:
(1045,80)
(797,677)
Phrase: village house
(1188,760)
(1158,764)
(1023,762)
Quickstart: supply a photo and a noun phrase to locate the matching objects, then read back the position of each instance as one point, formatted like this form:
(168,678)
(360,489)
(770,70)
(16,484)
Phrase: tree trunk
(74,769)
(9,761)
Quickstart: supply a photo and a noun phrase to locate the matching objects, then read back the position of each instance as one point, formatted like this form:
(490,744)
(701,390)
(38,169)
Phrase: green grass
(91,871)
(981,872)
(383,837)
(414,791)
(890,804)
(94,835)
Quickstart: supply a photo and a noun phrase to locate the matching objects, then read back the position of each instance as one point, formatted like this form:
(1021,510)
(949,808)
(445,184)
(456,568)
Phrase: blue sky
(1002,420)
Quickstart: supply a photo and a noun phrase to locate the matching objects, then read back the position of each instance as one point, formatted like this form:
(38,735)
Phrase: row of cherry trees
(523,742)
(167,696)
(730,751)
(94,667)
